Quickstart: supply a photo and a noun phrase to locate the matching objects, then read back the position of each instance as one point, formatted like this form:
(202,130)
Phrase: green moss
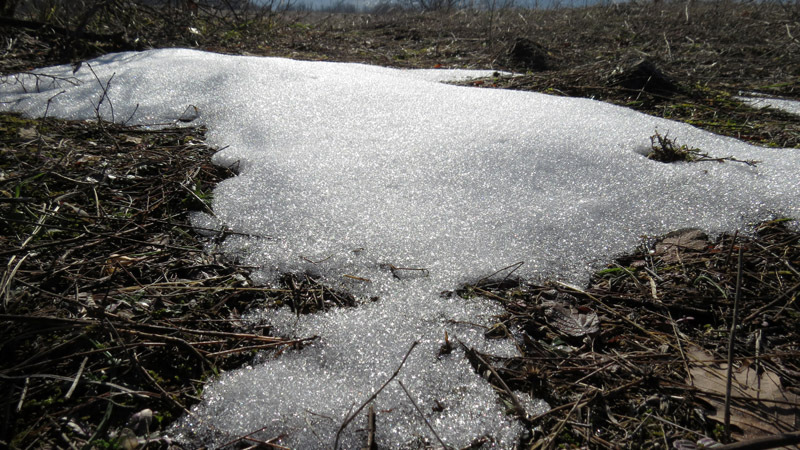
(611,271)
(11,124)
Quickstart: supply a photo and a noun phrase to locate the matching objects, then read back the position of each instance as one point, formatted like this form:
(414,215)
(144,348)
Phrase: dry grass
(110,303)
(633,357)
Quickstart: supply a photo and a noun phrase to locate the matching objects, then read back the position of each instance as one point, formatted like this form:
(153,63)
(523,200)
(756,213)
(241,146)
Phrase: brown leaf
(128,139)
(571,322)
(754,411)
(115,260)
(28,133)
(690,239)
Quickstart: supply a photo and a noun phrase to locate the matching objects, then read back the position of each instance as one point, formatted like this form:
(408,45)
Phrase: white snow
(762,101)
(345,168)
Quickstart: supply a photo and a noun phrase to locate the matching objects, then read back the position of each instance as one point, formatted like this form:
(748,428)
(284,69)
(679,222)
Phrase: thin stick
(248,437)
(128,325)
(77,378)
(515,266)
(352,416)
(122,389)
(257,347)
(430,427)
(24,392)
(783,260)
(102,97)
(560,426)
(578,403)
(772,303)
(731,339)
(353,277)
(766,442)
(8,276)
(730,249)
(680,348)
(175,340)
(514,400)
(243,437)
(135,360)
(371,445)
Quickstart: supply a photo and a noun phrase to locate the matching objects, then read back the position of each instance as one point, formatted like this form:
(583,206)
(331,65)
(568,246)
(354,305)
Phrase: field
(115,311)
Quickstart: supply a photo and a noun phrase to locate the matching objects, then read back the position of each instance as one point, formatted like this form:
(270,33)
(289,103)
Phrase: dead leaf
(114,261)
(754,411)
(132,140)
(88,159)
(28,133)
(689,239)
(572,322)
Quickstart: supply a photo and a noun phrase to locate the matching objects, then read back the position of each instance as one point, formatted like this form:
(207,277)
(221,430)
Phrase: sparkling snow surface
(757,101)
(346,168)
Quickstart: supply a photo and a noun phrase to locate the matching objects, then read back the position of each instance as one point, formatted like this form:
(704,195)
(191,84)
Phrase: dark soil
(115,310)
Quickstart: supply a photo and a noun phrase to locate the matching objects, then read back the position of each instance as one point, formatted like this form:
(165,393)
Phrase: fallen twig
(352,416)
(520,410)
(731,340)
(425,419)
(764,443)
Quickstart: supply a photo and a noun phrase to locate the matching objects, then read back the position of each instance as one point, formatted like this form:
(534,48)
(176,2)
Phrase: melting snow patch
(760,101)
(347,169)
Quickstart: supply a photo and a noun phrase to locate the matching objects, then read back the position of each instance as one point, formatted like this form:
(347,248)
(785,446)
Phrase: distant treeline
(46,10)
(383,7)
(51,11)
